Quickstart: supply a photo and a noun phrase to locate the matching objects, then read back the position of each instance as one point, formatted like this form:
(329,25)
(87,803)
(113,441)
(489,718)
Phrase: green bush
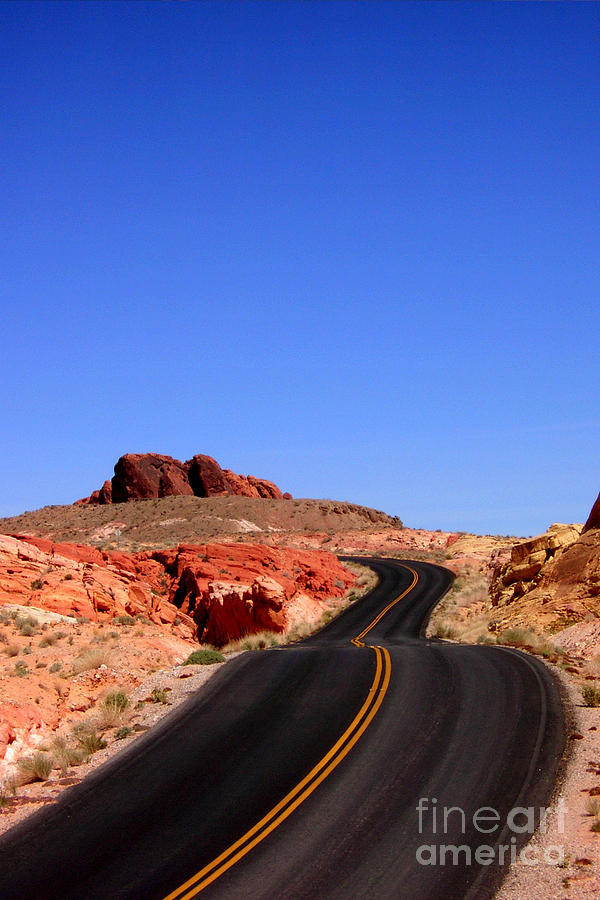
(117,701)
(591,695)
(204,657)
(90,742)
(123,732)
(159,695)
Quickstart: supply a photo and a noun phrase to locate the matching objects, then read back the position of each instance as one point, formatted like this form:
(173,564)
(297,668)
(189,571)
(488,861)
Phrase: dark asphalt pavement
(297,772)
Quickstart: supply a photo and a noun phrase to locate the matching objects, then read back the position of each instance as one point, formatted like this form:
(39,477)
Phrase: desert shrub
(37,584)
(159,695)
(55,667)
(26,625)
(48,640)
(64,754)
(87,737)
(60,635)
(518,637)
(590,695)
(117,700)
(124,620)
(123,732)
(592,807)
(82,620)
(8,789)
(36,767)
(205,657)
(444,630)
(262,640)
(21,670)
(68,577)
(3,638)
(12,649)
(92,658)
(111,709)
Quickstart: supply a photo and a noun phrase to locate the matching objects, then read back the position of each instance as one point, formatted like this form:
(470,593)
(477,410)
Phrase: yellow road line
(295,791)
(357,641)
(310,782)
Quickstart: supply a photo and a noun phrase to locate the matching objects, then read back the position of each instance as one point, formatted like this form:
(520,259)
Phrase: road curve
(297,772)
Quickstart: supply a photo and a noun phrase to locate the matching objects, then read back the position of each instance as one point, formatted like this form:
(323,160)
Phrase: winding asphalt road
(296,772)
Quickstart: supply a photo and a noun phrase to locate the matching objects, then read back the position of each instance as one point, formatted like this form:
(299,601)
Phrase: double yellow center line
(298,794)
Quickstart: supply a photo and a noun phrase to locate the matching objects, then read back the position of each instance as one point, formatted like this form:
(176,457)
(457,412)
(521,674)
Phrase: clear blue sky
(351,247)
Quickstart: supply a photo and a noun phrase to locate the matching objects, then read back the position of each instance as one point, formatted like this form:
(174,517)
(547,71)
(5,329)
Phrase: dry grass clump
(261,640)
(64,754)
(444,630)
(518,637)
(91,658)
(111,710)
(8,789)
(36,767)
(87,737)
(591,696)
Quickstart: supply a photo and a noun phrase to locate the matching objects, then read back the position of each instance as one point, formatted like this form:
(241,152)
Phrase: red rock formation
(215,592)
(206,477)
(142,476)
(265,488)
(240,484)
(594,517)
(139,476)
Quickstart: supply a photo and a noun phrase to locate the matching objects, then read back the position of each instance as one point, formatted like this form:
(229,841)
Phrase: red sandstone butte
(144,476)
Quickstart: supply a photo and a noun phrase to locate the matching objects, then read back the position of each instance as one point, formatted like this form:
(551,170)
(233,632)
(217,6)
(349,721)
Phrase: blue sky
(351,247)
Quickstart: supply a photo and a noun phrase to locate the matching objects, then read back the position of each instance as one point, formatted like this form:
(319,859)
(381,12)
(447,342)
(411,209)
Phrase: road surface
(320,770)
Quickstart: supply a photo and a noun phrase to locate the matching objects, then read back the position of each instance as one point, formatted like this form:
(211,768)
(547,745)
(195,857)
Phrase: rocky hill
(145,476)
(552,584)
(167,521)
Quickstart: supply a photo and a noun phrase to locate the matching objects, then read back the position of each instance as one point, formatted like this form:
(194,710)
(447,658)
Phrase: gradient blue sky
(351,247)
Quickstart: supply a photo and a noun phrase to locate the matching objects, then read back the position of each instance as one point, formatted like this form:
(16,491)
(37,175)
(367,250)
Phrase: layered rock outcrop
(144,476)
(213,592)
(528,562)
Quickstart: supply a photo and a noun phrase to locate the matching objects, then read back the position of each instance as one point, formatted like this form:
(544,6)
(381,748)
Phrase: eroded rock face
(144,476)
(141,476)
(206,477)
(528,561)
(213,592)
